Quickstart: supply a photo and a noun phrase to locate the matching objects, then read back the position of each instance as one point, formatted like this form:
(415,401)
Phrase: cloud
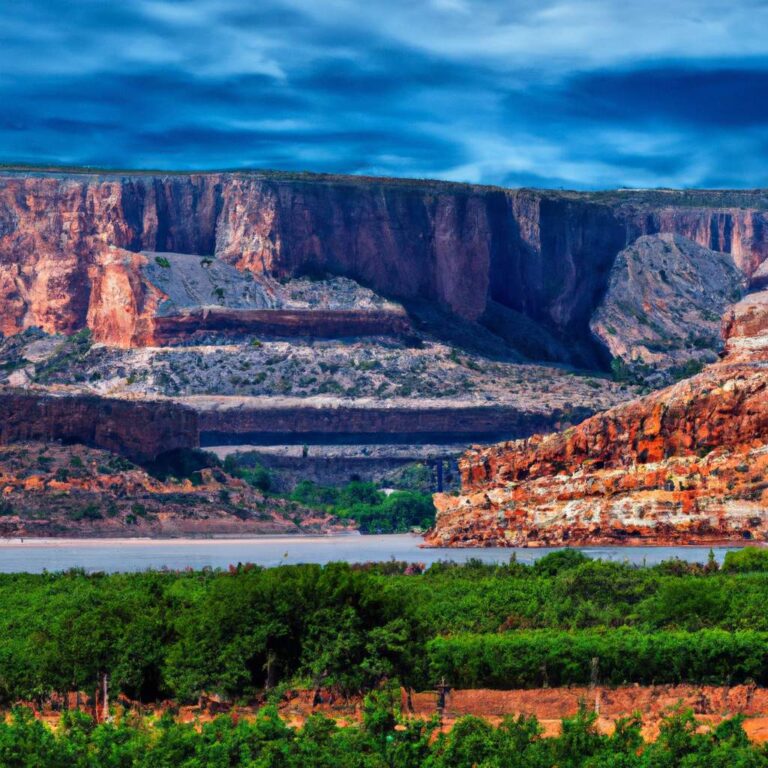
(576,93)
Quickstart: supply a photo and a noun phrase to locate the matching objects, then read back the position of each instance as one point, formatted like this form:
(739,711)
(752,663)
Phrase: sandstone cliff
(663,305)
(140,430)
(686,464)
(68,244)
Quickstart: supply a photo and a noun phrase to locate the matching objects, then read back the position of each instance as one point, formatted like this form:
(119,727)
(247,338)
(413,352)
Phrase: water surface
(113,555)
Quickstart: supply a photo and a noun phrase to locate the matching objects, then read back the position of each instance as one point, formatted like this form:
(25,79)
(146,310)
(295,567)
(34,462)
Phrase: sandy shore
(58,543)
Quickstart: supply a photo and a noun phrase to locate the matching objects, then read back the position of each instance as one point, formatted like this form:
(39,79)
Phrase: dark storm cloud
(577,93)
(675,94)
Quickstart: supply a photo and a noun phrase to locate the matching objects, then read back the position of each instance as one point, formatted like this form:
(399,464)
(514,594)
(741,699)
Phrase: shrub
(746,560)
(258,476)
(534,658)
(89,512)
(562,560)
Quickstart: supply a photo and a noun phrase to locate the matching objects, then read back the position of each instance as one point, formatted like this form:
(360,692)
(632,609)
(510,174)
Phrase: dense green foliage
(538,658)
(164,634)
(373,510)
(746,560)
(267,742)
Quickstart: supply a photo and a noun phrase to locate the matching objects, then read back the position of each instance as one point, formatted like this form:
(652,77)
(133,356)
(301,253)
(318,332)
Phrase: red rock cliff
(545,255)
(688,464)
(139,430)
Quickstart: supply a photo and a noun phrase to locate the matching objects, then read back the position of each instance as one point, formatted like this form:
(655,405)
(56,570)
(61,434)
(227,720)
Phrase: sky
(578,94)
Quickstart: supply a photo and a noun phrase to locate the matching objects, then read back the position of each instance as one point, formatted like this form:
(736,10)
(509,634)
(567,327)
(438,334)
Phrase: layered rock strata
(275,323)
(543,256)
(236,421)
(139,430)
(663,305)
(687,464)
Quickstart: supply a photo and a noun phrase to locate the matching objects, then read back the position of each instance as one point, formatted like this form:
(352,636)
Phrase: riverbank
(129,555)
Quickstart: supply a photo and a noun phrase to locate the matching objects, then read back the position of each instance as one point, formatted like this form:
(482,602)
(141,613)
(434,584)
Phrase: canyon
(70,244)
(146,314)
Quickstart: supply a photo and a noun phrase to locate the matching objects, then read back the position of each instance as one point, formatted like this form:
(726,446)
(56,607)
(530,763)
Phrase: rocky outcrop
(122,305)
(204,294)
(759,279)
(662,309)
(543,256)
(139,430)
(71,490)
(276,322)
(745,330)
(686,464)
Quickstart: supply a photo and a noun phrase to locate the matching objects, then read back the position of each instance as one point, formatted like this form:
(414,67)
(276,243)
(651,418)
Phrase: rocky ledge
(153,299)
(687,464)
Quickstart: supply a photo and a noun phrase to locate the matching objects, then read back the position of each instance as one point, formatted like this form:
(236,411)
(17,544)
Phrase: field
(319,666)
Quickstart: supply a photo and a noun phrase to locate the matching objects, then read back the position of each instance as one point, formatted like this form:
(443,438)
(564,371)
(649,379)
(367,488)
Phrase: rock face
(191,282)
(122,305)
(69,244)
(686,464)
(204,294)
(139,430)
(235,421)
(665,298)
(152,299)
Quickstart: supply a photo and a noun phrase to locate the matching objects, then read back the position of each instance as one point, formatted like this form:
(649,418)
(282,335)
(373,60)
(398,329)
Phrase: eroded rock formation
(686,464)
(480,252)
(238,420)
(204,294)
(140,430)
(665,298)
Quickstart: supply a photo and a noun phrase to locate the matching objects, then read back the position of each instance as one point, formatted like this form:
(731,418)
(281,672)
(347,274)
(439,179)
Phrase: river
(123,555)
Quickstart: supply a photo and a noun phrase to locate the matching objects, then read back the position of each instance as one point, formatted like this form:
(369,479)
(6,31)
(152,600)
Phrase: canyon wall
(139,430)
(544,255)
(685,464)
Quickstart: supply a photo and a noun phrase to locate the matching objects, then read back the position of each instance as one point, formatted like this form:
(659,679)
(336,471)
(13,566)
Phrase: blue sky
(578,94)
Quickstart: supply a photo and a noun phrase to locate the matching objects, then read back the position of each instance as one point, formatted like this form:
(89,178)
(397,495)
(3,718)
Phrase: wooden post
(105,697)
(442,692)
(593,680)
